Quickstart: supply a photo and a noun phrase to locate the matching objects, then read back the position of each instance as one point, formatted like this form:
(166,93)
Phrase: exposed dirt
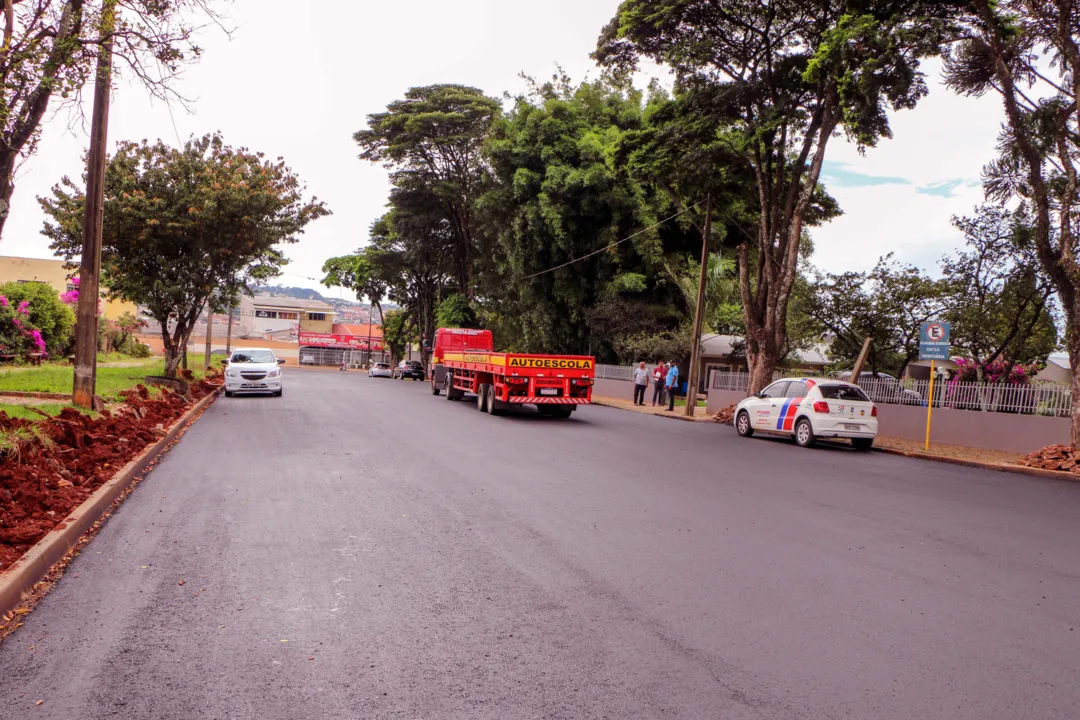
(41,481)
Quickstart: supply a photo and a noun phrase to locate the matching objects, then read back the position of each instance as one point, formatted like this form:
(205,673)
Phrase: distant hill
(293,292)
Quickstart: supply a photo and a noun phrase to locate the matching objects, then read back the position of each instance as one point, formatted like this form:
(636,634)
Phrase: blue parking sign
(934,340)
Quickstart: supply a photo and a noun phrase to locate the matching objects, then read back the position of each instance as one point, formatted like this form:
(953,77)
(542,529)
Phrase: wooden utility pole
(228,334)
(856,373)
(699,315)
(209,333)
(86,339)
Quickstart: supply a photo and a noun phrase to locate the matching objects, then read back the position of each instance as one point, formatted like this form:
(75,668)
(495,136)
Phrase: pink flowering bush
(33,319)
(994,373)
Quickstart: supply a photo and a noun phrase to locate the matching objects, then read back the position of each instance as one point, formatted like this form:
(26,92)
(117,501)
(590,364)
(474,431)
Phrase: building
(727,353)
(53,272)
(1057,370)
(283,318)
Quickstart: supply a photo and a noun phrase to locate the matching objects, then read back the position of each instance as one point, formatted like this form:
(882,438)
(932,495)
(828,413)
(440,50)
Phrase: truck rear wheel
(448,385)
(482,397)
(434,386)
(495,406)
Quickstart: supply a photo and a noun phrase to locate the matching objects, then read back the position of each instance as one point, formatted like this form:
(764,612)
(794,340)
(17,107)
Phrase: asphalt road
(360,549)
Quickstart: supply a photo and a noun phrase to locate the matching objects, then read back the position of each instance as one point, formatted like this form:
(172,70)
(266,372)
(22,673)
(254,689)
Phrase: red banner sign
(341,342)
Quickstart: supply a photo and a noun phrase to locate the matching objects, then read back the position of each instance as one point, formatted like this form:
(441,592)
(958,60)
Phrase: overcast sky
(298,79)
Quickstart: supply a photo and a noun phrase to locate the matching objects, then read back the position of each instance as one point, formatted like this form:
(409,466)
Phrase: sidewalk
(700,414)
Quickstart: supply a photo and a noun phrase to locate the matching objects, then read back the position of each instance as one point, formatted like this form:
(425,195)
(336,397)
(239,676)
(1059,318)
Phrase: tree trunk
(762,367)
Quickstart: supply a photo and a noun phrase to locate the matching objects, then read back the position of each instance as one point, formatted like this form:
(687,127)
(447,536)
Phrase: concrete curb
(31,568)
(1018,469)
(705,419)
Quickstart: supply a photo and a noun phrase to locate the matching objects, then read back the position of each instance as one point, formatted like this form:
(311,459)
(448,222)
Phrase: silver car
(252,371)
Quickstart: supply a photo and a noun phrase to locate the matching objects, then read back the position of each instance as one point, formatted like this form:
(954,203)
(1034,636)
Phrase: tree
(50,49)
(184,225)
(780,77)
(455,312)
(432,139)
(399,332)
(360,273)
(568,221)
(1028,52)
(721,289)
(887,304)
(997,298)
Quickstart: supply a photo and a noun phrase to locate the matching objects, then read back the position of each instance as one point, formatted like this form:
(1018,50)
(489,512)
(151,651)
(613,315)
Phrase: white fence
(614,372)
(1037,399)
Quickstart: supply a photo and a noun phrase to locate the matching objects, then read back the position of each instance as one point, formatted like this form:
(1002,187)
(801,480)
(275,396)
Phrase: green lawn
(59,378)
(24,411)
(681,402)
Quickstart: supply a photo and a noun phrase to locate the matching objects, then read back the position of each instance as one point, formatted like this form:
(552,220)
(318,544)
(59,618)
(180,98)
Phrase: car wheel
(862,444)
(277,393)
(482,397)
(742,425)
(804,433)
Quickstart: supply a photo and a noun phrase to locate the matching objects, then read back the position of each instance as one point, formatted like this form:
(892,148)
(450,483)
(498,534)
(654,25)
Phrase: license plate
(848,426)
(549,391)
(252,386)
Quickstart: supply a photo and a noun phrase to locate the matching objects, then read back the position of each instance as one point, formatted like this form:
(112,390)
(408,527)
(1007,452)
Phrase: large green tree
(360,272)
(184,225)
(50,51)
(560,205)
(432,139)
(780,78)
(1028,53)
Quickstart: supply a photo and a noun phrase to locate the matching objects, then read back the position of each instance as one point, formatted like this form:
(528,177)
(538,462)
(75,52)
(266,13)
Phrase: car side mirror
(760,394)
(281,361)
(224,361)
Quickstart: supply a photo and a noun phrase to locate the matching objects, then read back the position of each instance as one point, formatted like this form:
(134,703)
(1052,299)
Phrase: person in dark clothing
(672,385)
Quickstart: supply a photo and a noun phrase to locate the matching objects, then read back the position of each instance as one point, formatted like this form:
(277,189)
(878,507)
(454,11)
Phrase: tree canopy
(181,225)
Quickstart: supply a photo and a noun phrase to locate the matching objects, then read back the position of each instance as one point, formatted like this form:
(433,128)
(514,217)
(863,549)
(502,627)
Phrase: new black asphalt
(361,549)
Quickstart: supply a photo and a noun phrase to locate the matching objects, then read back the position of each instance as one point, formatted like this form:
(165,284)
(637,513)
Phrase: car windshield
(842,392)
(254,356)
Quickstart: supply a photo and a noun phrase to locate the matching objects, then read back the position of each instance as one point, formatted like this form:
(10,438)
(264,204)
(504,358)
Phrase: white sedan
(380,370)
(807,409)
(253,371)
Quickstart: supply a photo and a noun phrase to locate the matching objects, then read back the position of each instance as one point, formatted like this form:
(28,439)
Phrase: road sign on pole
(933,346)
(934,340)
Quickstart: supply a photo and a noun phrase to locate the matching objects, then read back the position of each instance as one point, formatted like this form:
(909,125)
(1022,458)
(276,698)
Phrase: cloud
(840,174)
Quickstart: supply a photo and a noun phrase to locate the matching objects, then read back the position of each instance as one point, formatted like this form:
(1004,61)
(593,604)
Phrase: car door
(789,410)
(767,408)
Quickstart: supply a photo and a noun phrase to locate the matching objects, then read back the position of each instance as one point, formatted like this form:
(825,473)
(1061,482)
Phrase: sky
(296,80)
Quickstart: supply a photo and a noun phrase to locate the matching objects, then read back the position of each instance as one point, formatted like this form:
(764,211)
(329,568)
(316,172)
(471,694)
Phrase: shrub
(34,319)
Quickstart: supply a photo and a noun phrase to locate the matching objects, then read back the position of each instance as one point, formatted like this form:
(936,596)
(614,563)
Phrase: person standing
(641,381)
(672,384)
(659,376)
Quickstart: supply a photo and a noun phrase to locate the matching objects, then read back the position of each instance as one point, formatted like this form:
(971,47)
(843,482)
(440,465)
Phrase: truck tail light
(517,381)
(584,382)
(873,411)
(821,407)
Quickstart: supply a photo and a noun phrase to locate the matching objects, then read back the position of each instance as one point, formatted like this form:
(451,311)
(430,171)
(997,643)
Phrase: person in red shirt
(659,374)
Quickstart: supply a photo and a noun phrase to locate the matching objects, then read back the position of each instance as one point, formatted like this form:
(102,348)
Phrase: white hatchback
(380,370)
(807,409)
(253,371)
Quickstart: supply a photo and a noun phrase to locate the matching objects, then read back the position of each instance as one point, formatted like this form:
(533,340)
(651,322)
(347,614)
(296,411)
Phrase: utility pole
(856,372)
(209,333)
(228,334)
(86,339)
(699,314)
(370,319)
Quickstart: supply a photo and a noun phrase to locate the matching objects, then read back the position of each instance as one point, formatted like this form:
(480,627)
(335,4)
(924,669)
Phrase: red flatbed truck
(464,361)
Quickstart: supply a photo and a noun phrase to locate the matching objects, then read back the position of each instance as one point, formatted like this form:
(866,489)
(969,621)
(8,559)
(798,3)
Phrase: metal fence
(614,372)
(1048,399)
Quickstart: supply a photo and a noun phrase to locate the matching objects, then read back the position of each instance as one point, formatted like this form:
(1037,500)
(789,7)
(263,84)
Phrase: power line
(614,244)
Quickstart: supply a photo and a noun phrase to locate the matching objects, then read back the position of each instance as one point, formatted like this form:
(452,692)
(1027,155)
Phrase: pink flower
(3,301)
(24,307)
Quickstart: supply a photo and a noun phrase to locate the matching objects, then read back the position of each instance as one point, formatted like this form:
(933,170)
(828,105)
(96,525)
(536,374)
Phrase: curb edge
(34,565)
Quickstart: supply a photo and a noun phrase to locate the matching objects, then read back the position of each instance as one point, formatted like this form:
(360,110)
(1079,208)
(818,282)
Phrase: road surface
(360,549)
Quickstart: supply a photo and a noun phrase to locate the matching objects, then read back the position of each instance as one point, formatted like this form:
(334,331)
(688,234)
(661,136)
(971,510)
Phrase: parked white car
(807,409)
(380,370)
(253,371)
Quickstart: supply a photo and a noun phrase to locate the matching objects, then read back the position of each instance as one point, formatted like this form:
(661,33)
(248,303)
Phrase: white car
(253,371)
(807,409)
(380,370)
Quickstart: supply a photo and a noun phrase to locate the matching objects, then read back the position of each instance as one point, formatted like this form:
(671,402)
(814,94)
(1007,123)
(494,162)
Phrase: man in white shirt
(641,381)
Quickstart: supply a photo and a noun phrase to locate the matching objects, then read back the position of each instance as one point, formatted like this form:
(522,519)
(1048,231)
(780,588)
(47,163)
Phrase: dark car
(409,369)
